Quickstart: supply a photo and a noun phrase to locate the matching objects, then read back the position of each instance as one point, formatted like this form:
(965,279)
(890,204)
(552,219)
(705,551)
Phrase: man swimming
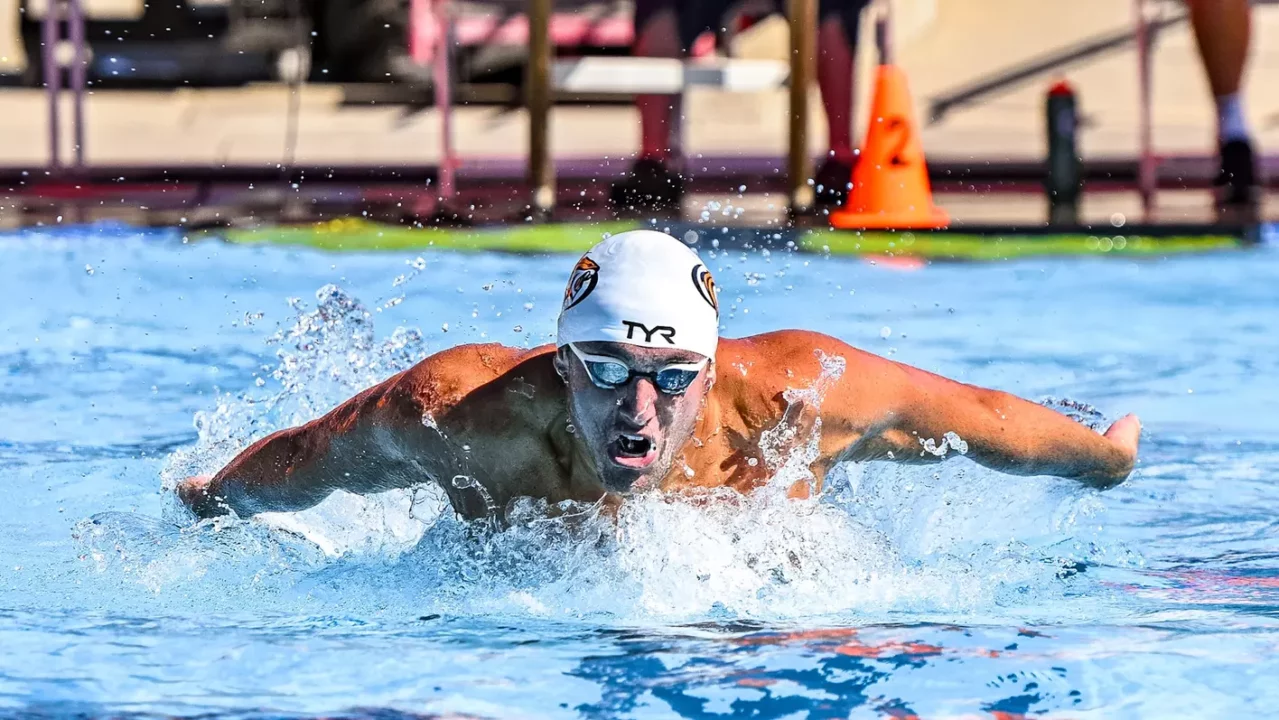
(638,393)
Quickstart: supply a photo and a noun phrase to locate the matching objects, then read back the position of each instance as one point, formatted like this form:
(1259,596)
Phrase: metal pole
(415,16)
(52,77)
(75,19)
(1146,162)
(444,97)
(541,174)
(803,41)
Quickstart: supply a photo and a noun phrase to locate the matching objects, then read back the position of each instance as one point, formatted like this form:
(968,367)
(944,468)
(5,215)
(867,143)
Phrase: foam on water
(882,541)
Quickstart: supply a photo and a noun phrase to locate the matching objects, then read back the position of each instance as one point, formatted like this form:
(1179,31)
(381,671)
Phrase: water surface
(131,360)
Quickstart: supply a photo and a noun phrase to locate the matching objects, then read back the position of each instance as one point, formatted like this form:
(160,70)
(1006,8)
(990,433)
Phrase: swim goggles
(610,373)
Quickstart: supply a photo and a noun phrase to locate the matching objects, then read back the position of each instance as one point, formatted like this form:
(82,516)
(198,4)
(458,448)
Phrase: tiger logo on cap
(580,284)
(705,285)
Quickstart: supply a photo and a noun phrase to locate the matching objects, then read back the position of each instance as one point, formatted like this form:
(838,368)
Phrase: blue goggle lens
(609,373)
(614,375)
(674,381)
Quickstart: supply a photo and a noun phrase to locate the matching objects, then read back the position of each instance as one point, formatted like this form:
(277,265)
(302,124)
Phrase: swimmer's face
(632,428)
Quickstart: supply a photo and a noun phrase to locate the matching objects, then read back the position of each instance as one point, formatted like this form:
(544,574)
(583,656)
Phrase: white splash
(328,354)
(790,448)
(949,441)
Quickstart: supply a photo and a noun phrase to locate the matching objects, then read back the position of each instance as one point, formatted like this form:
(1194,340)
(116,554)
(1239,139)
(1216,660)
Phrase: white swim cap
(641,287)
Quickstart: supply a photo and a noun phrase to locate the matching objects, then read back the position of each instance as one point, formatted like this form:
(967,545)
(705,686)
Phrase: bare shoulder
(754,373)
(792,355)
(440,381)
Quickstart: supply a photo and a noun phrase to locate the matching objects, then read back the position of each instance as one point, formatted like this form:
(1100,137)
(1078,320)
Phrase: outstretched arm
(359,446)
(889,411)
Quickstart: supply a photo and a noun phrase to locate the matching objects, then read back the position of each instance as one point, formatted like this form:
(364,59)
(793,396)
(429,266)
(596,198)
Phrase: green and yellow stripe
(355,235)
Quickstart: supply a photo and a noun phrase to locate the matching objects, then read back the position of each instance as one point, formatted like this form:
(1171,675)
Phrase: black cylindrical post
(1064,180)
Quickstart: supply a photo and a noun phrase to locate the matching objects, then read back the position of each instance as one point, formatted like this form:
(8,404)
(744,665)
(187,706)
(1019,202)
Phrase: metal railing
(62,34)
(440,54)
(1147,163)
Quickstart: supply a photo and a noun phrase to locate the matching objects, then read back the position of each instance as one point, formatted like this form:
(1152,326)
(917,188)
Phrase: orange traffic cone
(890,182)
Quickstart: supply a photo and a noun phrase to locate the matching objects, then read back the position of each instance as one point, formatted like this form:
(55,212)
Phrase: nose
(638,403)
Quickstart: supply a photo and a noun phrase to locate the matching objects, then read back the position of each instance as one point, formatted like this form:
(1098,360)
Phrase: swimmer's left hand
(1125,433)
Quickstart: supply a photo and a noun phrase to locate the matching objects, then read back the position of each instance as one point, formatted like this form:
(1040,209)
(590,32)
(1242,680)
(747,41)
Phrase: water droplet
(885,332)
(571,429)
(88,269)
(518,328)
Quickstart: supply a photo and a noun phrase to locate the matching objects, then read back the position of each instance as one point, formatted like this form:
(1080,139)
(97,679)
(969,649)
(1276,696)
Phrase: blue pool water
(131,361)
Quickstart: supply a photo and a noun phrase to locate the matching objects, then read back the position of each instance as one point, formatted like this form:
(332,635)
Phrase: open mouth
(631,450)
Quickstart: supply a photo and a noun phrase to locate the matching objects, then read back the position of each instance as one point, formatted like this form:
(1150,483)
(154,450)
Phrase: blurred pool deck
(247,126)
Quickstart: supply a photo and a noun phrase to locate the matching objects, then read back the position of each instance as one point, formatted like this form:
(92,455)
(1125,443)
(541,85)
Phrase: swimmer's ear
(560,364)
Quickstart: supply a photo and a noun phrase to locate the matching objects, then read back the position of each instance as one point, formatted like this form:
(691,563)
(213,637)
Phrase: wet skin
(491,423)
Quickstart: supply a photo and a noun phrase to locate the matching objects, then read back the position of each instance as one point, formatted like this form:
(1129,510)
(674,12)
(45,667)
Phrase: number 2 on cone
(901,128)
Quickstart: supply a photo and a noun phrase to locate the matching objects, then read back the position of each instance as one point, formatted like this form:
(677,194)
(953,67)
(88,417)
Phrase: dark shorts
(698,16)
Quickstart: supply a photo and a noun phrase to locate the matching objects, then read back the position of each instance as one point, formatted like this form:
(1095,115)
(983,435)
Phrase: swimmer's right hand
(194,493)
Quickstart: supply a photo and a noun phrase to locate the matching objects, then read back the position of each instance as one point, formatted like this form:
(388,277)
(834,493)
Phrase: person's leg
(664,28)
(656,35)
(1223,29)
(835,77)
(838,25)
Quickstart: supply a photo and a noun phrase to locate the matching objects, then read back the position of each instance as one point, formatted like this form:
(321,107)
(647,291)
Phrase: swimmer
(640,393)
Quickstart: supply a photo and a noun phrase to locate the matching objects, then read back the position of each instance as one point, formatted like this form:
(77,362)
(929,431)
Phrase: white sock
(1231,124)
